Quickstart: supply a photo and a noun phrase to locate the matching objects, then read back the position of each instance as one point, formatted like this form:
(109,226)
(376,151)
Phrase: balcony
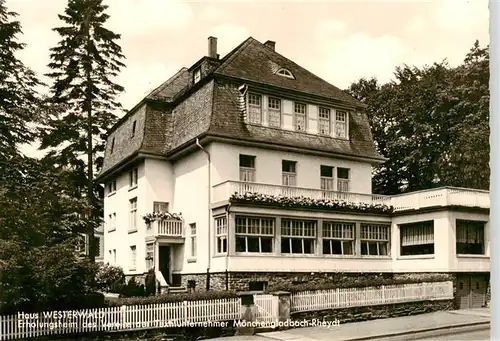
(169,228)
(224,190)
(445,196)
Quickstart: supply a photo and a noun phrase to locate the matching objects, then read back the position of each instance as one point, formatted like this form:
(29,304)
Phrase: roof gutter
(209,212)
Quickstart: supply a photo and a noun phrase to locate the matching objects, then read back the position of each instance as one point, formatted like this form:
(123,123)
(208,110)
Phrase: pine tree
(83,65)
(19,101)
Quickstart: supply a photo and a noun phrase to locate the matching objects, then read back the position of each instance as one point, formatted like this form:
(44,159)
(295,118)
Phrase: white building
(270,167)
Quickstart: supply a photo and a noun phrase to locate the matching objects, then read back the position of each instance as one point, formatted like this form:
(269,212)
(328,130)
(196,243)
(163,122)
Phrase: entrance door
(164,260)
(471,291)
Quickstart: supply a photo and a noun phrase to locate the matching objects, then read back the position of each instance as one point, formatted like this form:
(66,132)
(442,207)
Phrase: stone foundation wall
(356,314)
(217,281)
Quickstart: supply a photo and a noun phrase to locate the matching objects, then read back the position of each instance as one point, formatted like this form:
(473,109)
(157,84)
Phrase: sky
(340,41)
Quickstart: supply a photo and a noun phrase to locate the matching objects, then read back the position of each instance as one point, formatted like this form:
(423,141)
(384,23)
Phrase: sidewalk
(381,328)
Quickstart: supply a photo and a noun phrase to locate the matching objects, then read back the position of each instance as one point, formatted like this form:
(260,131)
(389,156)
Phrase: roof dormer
(285,73)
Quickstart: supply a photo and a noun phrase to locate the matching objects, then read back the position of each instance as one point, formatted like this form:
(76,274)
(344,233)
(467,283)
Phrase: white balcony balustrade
(165,228)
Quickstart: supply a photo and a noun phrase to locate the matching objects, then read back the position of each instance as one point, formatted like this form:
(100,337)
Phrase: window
(82,245)
(341,124)
(254,234)
(300,116)
(112,145)
(338,238)
(133,215)
(324,121)
(112,222)
(417,238)
(221,234)
(192,236)
(326,173)
(159,206)
(255,108)
(197,75)
(247,168)
(112,187)
(133,175)
(285,73)
(289,174)
(274,106)
(257,286)
(133,128)
(150,256)
(298,236)
(374,240)
(470,237)
(133,258)
(343,179)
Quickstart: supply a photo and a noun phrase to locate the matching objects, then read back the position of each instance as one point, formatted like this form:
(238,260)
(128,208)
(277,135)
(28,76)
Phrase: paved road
(474,333)
(479,335)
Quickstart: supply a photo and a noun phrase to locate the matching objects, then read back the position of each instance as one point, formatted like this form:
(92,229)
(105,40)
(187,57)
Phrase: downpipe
(228,243)
(209,212)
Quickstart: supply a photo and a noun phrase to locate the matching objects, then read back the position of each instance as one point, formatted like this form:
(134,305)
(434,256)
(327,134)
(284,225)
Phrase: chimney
(212,47)
(271,44)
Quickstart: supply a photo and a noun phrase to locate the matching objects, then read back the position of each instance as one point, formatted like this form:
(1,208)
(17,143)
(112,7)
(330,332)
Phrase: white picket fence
(357,297)
(125,318)
(266,308)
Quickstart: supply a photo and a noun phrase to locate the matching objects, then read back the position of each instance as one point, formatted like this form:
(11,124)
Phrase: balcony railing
(223,191)
(165,228)
(445,196)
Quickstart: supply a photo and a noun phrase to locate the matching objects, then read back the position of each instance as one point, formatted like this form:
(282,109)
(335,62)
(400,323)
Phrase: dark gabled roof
(256,62)
(211,107)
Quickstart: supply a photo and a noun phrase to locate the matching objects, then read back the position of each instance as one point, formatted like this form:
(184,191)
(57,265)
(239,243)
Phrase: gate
(471,290)
(266,308)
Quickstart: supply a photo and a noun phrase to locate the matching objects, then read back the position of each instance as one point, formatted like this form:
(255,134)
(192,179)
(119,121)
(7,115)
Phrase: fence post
(248,314)
(383,293)
(123,316)
(284,305)
(184,311)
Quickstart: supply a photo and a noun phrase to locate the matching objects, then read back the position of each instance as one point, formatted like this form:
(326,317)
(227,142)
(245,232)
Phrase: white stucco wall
(225,159)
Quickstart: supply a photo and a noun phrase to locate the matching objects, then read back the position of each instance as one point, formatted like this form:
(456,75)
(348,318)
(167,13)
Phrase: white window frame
(133,258)
(112,222)
(274,106)
(299,114)
(112,187)
(254,108)
(197,75)
(342,232)
(325,120)
(221,231)
(285,73)
(303,230)
(289,178)
(192,240)
(341,122)
(418,233)
(343,184)
(160,206)
(150,256)
(244,230)
(327,182)
(83,245)
(247,174)
(464,230)
(376,234)
(134,177)
(132,227)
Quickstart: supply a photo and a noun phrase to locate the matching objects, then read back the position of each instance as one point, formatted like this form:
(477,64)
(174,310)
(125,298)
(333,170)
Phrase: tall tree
(84,64)
(18,98)
(430,122)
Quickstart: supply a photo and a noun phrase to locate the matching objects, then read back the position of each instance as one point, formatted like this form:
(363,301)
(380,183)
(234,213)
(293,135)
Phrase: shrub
(150,283)
(355,283)
(195,296)
(110,278)
(133,289)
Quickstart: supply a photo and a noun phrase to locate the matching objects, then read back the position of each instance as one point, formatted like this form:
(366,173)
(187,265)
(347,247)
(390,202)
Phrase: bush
(150,283)
(133,289)
(110,278)
(355,283)
(195,296)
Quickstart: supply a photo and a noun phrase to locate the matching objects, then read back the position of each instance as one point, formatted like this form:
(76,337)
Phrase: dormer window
(197,75)
(341,124)
(285,73)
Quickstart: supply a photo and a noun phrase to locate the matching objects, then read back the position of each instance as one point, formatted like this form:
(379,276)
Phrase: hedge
(169,298)
(355,283)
